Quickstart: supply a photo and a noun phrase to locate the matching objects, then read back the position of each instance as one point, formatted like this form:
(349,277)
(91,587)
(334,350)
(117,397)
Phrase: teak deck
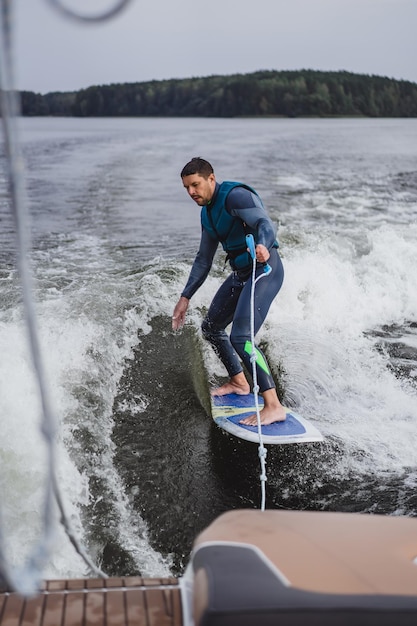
(130,601)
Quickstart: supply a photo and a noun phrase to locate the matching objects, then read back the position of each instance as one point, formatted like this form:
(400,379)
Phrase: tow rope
(261,450)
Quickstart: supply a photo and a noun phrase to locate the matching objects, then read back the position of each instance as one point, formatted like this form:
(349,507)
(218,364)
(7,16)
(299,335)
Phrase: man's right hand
(178,317)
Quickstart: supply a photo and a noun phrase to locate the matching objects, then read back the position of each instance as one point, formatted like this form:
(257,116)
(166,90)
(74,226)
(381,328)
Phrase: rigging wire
(261,450)
(98,17)
(26,580)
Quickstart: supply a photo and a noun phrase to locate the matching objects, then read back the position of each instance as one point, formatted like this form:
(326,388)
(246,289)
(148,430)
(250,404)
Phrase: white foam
(318,328)
(23,460)
(84,339)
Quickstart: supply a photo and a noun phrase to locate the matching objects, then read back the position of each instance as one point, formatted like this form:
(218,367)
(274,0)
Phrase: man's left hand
(262,253)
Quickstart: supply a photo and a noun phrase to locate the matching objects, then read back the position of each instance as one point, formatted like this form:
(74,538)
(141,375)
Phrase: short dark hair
(197,165)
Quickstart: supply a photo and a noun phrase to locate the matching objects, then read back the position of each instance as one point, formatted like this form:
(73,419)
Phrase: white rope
(26,580)
(261,450)
(97,17)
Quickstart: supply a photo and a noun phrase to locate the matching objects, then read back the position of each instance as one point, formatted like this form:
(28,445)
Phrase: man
(230,211)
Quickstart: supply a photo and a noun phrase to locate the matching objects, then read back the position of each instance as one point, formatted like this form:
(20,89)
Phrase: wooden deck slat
(95,583)
(154,582)
(74,609)
(109,583)
(56,585)
(54,608)
(32,611)
(159,610)
(76,583)
(12,611)
(94,608)
(177,614)
(133,581)
(2,604)
(116,608)
(170,581)
(135,607)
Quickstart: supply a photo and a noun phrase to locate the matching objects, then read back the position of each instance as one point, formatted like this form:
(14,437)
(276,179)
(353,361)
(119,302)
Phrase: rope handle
(251,246)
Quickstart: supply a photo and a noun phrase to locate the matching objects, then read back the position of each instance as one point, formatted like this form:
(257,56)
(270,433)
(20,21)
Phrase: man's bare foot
(237,384)
(273,411)
(268,415)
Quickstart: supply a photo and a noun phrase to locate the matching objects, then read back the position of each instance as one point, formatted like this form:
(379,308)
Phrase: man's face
(199,188)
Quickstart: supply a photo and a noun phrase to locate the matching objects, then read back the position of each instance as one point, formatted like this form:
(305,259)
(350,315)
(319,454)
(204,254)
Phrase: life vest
(230,231)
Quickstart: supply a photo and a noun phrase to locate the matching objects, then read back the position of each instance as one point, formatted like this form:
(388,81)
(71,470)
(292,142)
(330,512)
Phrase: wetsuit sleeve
(247,206)
(202,264)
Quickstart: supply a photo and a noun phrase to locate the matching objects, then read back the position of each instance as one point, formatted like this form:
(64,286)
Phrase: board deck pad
(228,410)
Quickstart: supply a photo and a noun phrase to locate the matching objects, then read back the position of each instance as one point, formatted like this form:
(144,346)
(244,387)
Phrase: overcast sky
(157,39)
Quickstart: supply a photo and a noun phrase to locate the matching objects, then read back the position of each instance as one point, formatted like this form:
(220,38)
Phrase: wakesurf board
(228,410)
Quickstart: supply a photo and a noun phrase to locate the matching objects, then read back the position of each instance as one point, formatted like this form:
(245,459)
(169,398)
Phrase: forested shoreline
(264,93)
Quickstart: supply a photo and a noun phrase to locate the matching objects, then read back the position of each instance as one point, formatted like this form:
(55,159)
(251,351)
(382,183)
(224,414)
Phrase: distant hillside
(263,93)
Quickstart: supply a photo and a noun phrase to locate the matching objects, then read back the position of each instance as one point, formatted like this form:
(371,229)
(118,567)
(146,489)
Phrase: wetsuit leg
(219,316)
(265,291)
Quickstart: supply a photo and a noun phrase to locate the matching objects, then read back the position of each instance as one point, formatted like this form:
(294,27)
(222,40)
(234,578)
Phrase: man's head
(199,180)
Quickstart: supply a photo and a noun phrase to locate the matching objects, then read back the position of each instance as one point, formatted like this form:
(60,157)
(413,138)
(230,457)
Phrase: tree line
(262,93)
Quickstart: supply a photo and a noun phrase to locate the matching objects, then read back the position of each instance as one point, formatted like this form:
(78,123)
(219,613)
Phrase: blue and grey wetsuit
(235,211)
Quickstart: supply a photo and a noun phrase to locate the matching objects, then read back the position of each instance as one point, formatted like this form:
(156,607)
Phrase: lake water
(142,468)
